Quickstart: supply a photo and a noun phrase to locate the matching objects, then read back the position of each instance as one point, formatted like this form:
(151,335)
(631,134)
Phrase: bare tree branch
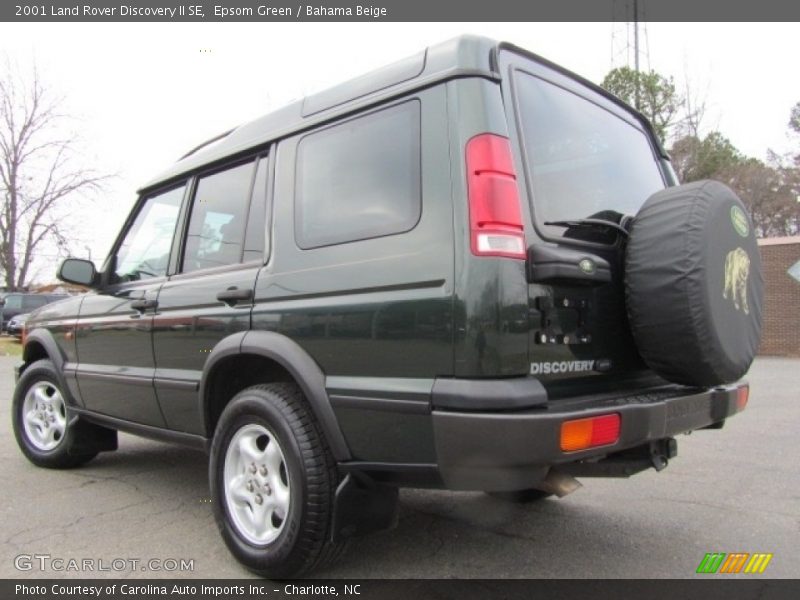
(39,172)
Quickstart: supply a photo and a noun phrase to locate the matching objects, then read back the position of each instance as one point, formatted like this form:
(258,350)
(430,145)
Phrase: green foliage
(713,157)
(794,118)
(769,190)
(794,125)
(649,92)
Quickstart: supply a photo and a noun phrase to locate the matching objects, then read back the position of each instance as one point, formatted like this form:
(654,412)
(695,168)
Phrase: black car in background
(17,303)
(16,324)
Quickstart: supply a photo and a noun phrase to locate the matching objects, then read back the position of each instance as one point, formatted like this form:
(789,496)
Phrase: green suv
(470,270)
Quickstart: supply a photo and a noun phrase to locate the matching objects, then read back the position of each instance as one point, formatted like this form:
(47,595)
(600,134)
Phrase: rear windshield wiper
(590,223)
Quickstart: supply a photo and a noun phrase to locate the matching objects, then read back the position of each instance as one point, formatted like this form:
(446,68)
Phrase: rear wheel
(273,481)
(46,431)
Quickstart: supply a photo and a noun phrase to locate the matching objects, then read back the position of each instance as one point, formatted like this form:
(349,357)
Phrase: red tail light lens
(581,434)
(495,219)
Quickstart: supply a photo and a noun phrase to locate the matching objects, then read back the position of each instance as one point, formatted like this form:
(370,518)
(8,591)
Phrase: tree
(39,171)
(767,191)
(765,188)
(713,157)
(794,126)
(651,93)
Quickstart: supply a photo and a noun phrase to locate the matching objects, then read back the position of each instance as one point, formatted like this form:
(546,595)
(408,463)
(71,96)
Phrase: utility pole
(630,42)
(636,49)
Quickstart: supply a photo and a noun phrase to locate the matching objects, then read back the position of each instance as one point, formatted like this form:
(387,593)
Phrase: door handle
(142,305)
(233,295)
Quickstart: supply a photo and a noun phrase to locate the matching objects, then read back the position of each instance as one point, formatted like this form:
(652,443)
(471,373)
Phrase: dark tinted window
(360,179)
(219,212)
(32,302)
(583,159)
(144,252)
(254,239)
(14,301)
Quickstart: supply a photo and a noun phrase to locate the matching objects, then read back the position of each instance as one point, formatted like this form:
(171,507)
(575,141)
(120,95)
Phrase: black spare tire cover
(693,284)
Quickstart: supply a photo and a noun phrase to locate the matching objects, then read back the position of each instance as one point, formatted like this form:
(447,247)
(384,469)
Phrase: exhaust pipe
(559,483)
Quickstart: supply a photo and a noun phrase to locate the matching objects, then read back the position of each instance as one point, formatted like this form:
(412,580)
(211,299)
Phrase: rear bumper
(514,450)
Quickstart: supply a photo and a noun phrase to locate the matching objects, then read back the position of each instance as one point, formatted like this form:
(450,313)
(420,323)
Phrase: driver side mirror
(79,271)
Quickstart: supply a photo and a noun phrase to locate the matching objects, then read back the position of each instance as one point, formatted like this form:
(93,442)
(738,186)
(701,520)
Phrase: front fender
(43,338)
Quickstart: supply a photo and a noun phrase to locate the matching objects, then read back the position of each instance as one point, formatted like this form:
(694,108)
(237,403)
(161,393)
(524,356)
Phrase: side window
(254,237)
(217,223)
(33,302)
(14,301)
(144,252)
(359,179)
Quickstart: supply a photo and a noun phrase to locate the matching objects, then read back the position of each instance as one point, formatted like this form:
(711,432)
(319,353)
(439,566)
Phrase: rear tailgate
(581,156)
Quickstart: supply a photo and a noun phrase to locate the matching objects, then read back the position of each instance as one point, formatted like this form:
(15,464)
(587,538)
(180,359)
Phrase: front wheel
(46,432)
(273,481)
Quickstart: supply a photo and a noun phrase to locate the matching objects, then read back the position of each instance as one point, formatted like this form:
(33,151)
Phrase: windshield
(584,161)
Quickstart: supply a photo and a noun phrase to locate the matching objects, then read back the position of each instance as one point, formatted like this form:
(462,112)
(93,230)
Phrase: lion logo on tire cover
(737,270)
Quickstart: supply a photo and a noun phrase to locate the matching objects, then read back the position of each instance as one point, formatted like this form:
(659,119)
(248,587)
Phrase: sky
(143,94)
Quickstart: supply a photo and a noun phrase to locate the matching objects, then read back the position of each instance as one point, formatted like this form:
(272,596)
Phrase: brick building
(781,334)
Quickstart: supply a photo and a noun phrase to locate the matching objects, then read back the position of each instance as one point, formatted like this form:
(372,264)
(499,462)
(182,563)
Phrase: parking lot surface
(734,490)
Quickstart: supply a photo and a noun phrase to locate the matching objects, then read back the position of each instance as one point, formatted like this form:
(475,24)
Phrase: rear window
(584,161)
(360,179)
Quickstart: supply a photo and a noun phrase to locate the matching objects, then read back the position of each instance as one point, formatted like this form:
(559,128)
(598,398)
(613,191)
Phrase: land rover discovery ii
(470,270)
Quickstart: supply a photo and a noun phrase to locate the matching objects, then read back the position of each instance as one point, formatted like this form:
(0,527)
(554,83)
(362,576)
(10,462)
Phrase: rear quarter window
(359,179)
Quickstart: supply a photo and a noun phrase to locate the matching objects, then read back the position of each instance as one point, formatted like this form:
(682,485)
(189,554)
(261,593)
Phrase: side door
(211,292)
(114,346)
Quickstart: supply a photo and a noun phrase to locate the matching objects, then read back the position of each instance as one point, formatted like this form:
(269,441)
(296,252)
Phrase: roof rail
(206,143)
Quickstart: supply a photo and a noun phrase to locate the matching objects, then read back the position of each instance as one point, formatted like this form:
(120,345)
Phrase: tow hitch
(628,462)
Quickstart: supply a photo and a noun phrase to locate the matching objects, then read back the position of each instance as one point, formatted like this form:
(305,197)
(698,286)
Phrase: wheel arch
(288,361)
(39,345)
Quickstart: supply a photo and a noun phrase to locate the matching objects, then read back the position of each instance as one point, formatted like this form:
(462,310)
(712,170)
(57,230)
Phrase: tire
(275,513)
(694,286)
(46,432)
(522,496)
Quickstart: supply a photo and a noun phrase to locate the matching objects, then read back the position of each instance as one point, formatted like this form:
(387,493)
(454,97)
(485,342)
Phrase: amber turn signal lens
(581,434)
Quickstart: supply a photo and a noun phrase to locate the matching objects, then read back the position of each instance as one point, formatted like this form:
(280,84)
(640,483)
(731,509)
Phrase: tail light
(495,219)
(24,335)
(580,434)
(742,395)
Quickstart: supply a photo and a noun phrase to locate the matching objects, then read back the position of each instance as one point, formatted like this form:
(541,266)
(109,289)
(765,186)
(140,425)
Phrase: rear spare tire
(693,284)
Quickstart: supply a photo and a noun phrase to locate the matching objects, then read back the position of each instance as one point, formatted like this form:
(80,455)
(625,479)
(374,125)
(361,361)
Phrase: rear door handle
(142,305)
(233,295)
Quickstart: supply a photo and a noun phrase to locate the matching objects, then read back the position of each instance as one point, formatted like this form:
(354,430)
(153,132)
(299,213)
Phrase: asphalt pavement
(733,490)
